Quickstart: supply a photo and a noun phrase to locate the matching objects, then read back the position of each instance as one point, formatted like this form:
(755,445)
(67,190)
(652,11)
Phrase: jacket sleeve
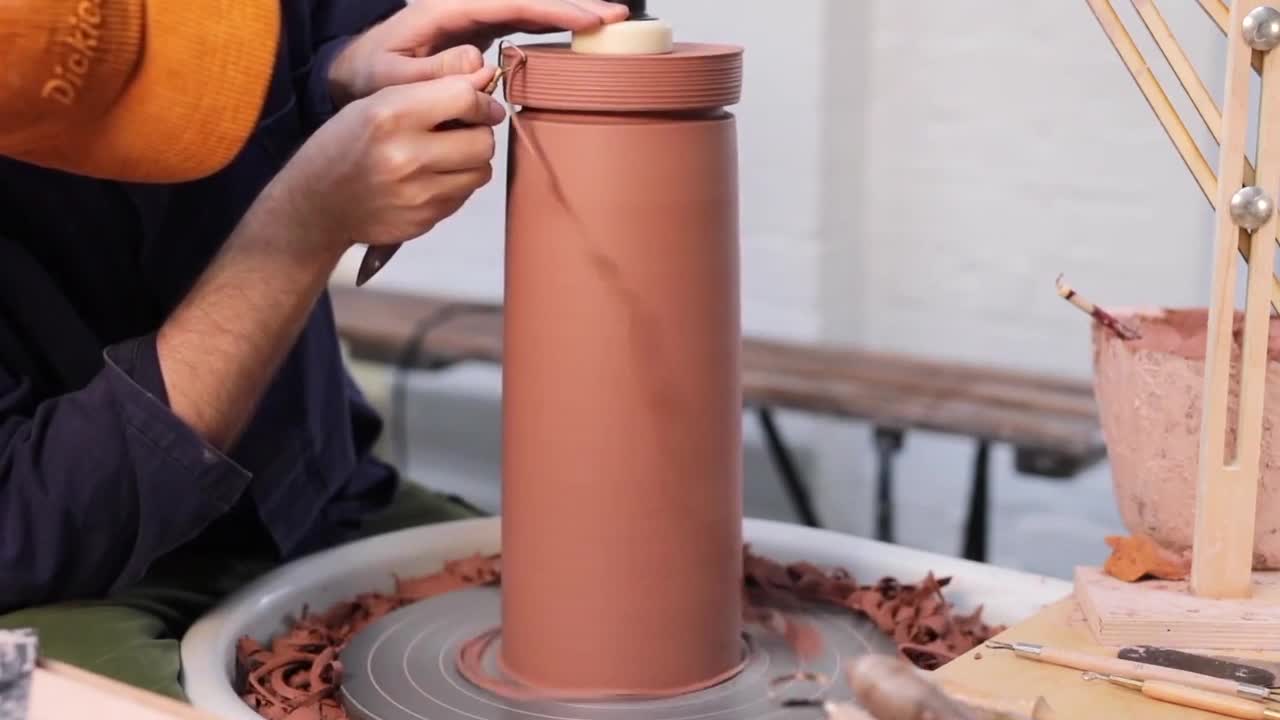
(95,485)
(334,23)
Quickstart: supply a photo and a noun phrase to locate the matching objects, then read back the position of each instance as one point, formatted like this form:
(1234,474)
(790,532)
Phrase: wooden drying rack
(1222,585)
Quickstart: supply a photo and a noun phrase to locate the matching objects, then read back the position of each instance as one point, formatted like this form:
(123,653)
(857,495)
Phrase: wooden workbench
(1062,625)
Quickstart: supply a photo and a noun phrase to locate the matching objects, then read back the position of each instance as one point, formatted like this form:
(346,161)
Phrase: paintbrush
(377,257)
(1103,317)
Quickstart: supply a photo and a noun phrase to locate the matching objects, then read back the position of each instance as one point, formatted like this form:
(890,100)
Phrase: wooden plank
(1165,613)
(370,315)
(1257,322)
(372,318)
(923,378)
(1062,625)
(62,692)
(1023,409)
(1227,478)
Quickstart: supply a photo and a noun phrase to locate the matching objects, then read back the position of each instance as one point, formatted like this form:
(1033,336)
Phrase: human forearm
(221,347)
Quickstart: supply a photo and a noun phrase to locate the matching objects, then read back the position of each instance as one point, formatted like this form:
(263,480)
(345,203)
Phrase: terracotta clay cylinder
(622,480)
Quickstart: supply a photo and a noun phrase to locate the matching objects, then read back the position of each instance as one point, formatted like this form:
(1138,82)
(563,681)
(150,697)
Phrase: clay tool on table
(377,257)
(888,688)
(1177,694)
(1251,672)
(1128,668)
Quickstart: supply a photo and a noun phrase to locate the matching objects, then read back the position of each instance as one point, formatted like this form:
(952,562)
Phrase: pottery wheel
(404,667)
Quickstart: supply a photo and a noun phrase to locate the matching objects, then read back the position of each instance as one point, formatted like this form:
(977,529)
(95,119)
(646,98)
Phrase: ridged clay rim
(694,76)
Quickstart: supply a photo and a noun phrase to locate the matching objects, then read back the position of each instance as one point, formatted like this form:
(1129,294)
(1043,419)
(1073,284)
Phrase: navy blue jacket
(98,478)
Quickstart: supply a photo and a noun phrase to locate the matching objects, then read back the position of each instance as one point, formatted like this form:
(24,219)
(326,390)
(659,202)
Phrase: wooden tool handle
(845,711)
(991,706)
(1203,700)
(1137,670)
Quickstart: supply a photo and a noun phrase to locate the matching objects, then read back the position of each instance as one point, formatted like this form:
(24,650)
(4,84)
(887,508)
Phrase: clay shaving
(1138,556)
(923,625)
(298,675)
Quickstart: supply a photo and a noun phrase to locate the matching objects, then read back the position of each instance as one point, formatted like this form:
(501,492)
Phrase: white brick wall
(914,175)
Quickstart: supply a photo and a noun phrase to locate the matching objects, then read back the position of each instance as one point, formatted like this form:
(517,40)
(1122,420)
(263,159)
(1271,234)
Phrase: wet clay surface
(1150,398)
(693,76)
(1137,557)
(296,676)
(623,420)
(1182,332)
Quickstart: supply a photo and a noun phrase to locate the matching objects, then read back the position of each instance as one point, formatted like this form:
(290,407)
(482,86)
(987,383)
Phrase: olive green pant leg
(134,635)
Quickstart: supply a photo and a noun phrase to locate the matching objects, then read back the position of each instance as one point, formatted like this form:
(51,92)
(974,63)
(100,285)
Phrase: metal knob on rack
(1251,207)
(1262,28)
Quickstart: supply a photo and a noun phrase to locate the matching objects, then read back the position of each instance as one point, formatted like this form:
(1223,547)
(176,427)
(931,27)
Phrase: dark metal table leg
(888,443)
(783,461)
(975,533)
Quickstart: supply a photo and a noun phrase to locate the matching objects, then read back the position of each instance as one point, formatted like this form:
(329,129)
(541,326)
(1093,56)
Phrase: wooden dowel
(1155,96)
(1227,477)
(1186,73)
(1219,12)
(1159,102)
(1181,64)
(1257,325)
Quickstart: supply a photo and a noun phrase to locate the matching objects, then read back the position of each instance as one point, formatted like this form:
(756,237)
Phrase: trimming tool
(377,256)
(1253,672)
(1177,694)
(619,37)
(1128,668)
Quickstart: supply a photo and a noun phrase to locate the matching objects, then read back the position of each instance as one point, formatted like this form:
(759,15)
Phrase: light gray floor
(1045,526)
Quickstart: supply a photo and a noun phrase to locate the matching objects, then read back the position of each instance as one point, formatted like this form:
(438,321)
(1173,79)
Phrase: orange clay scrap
(1138,556)
(919,620)
(297,676)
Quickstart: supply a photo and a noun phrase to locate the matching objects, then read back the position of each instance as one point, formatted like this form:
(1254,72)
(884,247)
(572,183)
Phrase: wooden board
(1026,410)
(1166,613)
(63,692)
(1062,625)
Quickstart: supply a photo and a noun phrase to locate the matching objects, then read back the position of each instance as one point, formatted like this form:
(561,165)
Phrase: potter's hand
(383,170)
(432,38)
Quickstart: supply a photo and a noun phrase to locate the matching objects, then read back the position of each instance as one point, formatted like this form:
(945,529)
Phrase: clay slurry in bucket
(1150,395)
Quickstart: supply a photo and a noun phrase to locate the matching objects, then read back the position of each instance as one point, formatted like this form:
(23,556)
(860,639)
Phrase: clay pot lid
(694,76)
